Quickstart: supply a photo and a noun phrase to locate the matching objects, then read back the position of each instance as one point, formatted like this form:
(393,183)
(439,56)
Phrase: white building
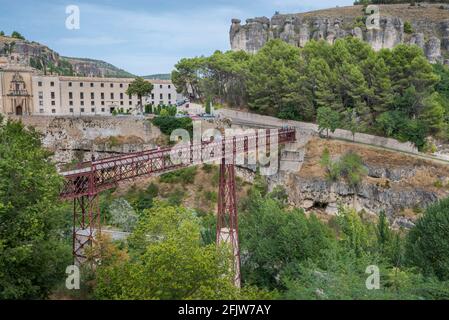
(22,91)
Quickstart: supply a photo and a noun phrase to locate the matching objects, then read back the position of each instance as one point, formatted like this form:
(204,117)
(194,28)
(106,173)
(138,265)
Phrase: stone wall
(78,138)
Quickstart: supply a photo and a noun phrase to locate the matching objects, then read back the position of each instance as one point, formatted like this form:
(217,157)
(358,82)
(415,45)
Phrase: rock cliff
(43,58)
(427,25)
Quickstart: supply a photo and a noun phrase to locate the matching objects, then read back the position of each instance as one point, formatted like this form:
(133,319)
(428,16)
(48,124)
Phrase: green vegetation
(327,120)
(168,124)
(166,259)
(408,27)
(303,258)
(33,256)
(427,244)
(17,35)
(396,93)
(139,87)
(183,176)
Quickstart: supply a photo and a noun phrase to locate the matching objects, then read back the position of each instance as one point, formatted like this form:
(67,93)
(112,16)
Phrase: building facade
(23,92)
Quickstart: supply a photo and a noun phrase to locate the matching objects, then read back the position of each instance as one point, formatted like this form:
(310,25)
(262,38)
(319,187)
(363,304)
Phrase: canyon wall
(429,28)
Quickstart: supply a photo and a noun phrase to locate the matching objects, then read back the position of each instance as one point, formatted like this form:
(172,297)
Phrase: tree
(327,119)
(274,239)
(169,262)
(352,171)
(140,87)
(427,247)
(268,94)
(352,122)
(17,35)
(2,33)
(33,257)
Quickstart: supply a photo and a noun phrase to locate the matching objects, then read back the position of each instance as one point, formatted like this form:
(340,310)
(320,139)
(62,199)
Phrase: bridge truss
(84,185)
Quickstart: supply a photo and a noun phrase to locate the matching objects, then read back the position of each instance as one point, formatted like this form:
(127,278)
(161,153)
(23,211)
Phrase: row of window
(70,84)
(92,95)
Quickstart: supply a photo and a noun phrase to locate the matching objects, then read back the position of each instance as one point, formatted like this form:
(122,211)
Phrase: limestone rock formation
(430,28)
(41,57)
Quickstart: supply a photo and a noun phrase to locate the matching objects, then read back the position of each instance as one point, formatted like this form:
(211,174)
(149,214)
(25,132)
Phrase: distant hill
(86,66)
(43,58)
(161,76)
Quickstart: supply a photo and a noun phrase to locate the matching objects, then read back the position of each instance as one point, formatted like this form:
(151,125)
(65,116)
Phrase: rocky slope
(399,184)
(429,28)
(41,57)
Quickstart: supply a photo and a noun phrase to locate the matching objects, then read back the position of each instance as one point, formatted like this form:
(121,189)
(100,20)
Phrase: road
(258,124)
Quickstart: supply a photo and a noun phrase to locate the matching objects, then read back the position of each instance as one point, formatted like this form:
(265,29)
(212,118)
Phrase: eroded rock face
(370,197)
(298,29)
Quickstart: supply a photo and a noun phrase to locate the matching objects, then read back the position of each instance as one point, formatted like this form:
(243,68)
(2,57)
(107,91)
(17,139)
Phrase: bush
(427,244)
(183,176)
(408,27)
(168,124)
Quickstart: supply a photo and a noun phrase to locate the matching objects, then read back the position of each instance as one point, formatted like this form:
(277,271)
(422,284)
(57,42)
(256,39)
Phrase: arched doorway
(19,111)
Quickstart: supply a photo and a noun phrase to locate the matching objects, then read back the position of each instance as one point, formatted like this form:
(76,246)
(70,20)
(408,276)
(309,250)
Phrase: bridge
(83,185)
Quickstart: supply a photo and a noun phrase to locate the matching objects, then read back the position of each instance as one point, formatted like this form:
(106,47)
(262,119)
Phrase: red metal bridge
(84,185)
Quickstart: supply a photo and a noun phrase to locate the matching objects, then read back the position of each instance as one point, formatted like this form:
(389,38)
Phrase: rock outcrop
(429,28)
(38,56)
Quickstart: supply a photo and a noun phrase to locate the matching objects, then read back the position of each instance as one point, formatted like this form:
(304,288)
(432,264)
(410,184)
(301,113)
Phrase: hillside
(426,25)
(162,76)
(43,58)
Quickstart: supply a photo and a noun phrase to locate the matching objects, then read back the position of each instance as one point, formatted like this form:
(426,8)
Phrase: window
(41,110)
(91,84)
(82,109)
(81,95)
(70,103)
(121,85)
(70,84)
(39,84)
(52,94)
(53,110)
(130,103)
(162,96)
(71,110)
(169,86)
(70,95)
(160,86)
(53,103)
(152,96)
(92,95)
(92,103)
(102,103)
(92,110)
(81,84)
(52,84)
(121,95)
(112,85)
(112,95)
(41,103)
(121,103)
(82,103)
(102,109)
(102,85)
(102,95)
(41,95)
(169,103)
(130,97)
(169,96)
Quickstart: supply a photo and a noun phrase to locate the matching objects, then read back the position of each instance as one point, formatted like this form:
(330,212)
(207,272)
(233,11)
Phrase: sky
(142,37)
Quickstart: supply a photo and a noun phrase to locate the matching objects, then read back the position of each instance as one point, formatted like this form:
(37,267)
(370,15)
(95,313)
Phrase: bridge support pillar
(227,220)
(86,225)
